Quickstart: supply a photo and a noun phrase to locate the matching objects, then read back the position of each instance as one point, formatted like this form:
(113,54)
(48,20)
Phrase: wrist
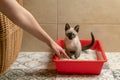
(50,43)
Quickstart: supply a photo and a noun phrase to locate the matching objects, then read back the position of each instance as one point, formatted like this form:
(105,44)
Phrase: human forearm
(25,20)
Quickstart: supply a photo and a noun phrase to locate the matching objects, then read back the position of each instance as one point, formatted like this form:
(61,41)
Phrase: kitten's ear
(76,28)
(67,26)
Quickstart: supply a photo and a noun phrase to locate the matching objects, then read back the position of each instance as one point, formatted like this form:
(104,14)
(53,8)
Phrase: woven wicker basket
(10,42)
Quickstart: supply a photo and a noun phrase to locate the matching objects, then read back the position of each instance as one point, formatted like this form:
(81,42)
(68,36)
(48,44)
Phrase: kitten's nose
(71,36)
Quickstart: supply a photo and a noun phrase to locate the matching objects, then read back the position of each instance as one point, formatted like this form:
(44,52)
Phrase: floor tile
(27,78)
(76,77)
(17,65)
(10,75)
(33,66)
(42,74)
(3,78)
(106,74)
(113,57)
(18,72)
(50,66)
(113,60)
(46,74)
(106,65)
(22,54)
(24,59)
(116,74)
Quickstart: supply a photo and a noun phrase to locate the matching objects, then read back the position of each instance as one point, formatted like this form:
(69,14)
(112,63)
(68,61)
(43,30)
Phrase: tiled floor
(38,66)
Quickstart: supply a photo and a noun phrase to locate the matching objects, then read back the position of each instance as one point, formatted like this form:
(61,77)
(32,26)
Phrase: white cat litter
(85,55)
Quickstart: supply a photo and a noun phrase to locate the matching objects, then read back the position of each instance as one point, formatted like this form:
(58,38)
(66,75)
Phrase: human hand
(58,50)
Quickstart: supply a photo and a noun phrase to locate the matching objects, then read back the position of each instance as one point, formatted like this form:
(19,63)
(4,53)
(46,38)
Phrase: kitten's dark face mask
(71,34)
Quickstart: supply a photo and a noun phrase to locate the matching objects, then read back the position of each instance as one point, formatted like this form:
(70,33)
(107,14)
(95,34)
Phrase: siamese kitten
(72,43)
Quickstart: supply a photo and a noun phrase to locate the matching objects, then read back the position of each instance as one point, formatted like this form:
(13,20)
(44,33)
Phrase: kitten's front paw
(77,55)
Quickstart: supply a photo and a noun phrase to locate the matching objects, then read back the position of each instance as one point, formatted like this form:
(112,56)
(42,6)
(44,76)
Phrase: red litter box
(81,66)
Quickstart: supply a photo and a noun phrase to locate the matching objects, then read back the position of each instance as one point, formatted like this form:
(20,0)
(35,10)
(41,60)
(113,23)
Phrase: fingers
(61,54)
(60,51)
(64,54)
(58,54)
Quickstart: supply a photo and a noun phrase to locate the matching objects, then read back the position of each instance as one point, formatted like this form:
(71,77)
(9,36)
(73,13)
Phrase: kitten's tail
(90,45)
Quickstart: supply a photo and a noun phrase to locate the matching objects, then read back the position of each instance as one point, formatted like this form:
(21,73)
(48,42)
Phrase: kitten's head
(71,32)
